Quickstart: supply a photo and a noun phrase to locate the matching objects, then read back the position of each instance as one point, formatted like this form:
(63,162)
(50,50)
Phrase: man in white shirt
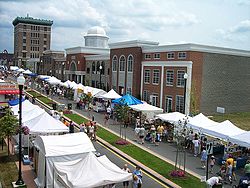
(213,181)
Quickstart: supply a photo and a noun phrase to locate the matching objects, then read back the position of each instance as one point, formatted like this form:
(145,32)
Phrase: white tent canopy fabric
(147,109)
(101,171)
(27,72)
(241,139)
(20,70)
(172,117)
(223,130)
(45,124)
(111,95)
(200,122)
(59,148)
(26,106)
(100,93)
(14,68)
(43,76)
(53,81)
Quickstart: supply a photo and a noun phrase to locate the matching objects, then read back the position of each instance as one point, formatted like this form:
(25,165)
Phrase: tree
(8,125)
(122,115)
(194,99)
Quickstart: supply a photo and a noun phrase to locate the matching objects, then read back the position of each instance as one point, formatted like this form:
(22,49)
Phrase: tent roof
(101,171)
(27,72)
(111,95)
(127,100)
(68,144)
(15,102)
(26,106)
(200,122)
(145,107)
(223,130)
(241,139)
(45,123)
(13,68)
(172,117)
(100,93)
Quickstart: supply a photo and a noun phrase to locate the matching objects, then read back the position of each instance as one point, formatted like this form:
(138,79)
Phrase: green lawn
(241,120)
(8,168)
(41,97)
(142,156)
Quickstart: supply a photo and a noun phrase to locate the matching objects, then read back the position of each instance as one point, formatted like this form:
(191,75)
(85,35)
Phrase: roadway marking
(133,165)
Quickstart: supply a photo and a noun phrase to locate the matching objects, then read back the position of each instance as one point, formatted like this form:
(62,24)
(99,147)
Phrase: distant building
(96,48)
(6,59)
(52,63)
(31,38)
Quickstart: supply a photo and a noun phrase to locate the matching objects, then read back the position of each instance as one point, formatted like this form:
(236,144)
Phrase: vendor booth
(65,159)
(172,117)
(147,109)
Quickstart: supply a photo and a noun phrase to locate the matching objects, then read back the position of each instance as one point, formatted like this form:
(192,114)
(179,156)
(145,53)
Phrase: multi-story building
(95,51)
(52,63)
(218,78)
(6,59)
(31,37)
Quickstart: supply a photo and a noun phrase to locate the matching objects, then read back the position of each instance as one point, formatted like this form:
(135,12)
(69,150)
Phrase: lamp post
(185,90)
(63,63)
(100,83)
(20,82)
(50,72)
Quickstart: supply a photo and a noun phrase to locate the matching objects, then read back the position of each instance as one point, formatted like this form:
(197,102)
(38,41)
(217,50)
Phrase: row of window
(34,55)
(121,65)
(153,100)
(170,55)
(169,77)
(96,67)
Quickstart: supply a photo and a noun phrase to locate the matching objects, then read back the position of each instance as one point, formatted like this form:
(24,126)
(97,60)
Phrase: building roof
(96,31)
(87,50)
(97,57)
(195,47)
(133,43)
(30,20)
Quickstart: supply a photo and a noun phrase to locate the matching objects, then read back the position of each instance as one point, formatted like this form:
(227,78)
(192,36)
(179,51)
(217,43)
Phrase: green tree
(122,115)
(8,125)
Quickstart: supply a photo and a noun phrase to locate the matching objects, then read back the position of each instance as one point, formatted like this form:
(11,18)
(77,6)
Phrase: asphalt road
(147,181)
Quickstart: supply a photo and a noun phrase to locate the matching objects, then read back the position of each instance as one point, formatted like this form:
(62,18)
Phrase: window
(122,63)
(45,35)
(157,56)
(130,63)
(129,90)
(93,83)
(24,54)
(24,47)
(179,105)
(97,67)
(45,42)
(156,76)
(88,70)
(147,76)
(93,68)
(44,49)
(24,40)
(147,56)
(114,63)
(154,99)
(180,78)
(24,27)
(170,78)
(45,28)
(146,95)
(182,55)
(108,71)
(170,55)
(24,34)
(168,104)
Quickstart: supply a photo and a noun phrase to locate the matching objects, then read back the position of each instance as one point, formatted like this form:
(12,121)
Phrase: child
(211,164)
(203,158)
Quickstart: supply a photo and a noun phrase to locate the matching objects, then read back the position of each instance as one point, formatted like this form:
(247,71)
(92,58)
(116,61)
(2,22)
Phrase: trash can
(69,106)
(54,106)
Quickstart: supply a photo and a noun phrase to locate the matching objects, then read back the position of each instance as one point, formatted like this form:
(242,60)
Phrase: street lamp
(20,82)
(63,63)
(50,72)
(185,89)
(100,68)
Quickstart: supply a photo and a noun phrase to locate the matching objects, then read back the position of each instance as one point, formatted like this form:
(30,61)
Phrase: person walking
(71,127)
(126,169)
(211,164)
(141,134)
(137,177)
(153,133)
(196,143)
(203,158)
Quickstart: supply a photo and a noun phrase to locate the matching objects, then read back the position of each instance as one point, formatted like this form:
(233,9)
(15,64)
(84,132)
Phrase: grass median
(41,97)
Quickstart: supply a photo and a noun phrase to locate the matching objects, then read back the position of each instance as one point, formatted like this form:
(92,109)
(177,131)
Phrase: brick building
(31,37)
(218,78)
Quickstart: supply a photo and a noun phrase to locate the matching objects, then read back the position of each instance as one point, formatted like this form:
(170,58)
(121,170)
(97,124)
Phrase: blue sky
(224,23)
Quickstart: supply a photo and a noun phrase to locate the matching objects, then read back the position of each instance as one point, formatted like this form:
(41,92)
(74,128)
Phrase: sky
(223,23)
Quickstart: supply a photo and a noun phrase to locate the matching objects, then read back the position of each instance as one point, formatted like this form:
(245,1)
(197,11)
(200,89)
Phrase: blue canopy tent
(15,102)
(127,100)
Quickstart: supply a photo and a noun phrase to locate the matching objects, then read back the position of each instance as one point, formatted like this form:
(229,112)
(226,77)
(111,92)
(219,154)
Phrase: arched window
(72,66)
(97,67)
(114,63)
(93,67)
(103,67)
(122,63)
(130,63)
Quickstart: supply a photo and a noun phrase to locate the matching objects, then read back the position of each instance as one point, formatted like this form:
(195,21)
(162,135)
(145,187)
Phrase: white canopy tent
(101,171)
(172,117)
(53,81)
(45,123)
(223,130)
(200,122)
(111,95)
(26,106)
(44,76)
(20,70)
(27,72)
(1,81)
(14,68)
(100,93)
(147,109)
(59,148)
(241,139)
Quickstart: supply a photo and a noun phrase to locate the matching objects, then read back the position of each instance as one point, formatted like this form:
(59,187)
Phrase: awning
(4,92)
